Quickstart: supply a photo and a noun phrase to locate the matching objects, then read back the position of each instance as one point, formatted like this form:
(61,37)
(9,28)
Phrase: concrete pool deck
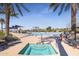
(71,51)
(14,50)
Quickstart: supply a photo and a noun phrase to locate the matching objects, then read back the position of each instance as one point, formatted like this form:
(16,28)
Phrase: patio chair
(71,42)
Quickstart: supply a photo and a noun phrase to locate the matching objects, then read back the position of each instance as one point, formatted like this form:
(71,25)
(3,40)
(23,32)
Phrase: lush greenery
(47,29)
(2,33)
(10,36)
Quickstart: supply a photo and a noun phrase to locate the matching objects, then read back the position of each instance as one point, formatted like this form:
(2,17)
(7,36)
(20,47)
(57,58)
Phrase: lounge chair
(72,43)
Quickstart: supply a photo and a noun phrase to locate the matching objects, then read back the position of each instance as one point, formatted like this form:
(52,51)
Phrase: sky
(42,17)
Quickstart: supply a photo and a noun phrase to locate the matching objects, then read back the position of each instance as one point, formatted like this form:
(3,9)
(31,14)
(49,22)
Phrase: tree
(10,8)
(48,29)
(2,21)
(65,7)
(36,29)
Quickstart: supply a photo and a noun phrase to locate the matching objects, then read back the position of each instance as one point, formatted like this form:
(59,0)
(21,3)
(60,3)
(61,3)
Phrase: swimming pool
(46,33)
(38,49)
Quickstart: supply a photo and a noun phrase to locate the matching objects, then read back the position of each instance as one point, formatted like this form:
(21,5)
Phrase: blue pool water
(38,49)
(46,33)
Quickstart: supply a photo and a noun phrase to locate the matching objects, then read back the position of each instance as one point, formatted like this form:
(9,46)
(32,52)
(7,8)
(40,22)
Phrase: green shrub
(2,33)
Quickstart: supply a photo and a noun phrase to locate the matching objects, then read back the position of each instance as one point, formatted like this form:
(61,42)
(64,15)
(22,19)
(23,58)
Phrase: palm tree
(66,7)
(10,8)
(2,21)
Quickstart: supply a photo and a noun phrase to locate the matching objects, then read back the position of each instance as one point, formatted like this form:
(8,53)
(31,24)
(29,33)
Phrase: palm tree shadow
(2,48)
(60,47)
(5,46)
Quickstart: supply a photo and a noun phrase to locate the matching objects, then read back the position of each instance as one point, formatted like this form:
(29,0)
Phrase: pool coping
(21,53)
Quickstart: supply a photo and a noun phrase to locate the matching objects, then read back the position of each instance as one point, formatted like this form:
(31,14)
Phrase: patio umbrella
(16,26)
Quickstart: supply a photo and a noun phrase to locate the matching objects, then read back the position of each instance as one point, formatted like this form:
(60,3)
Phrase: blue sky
(42,17)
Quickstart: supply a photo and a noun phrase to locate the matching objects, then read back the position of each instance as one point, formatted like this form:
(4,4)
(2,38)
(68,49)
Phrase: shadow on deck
(60,47)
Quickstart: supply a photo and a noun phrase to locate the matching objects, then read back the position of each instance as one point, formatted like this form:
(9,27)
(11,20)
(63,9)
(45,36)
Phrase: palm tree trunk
(73,19)
(2,27)
(7,11)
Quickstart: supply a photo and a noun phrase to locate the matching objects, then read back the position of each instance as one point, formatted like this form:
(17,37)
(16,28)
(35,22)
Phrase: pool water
(46,33)
(38,49)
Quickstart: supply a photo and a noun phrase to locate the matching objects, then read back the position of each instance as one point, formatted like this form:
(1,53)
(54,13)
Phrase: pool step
(24,49)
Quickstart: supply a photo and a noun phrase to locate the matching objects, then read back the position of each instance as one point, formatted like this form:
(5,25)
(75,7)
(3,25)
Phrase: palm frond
(78,5)
(18,8)
(56,6)
(2,12)
(61,8)
(68,5)
(13,10)
(2,4)
(23,6)
(14,15)
(51,5)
